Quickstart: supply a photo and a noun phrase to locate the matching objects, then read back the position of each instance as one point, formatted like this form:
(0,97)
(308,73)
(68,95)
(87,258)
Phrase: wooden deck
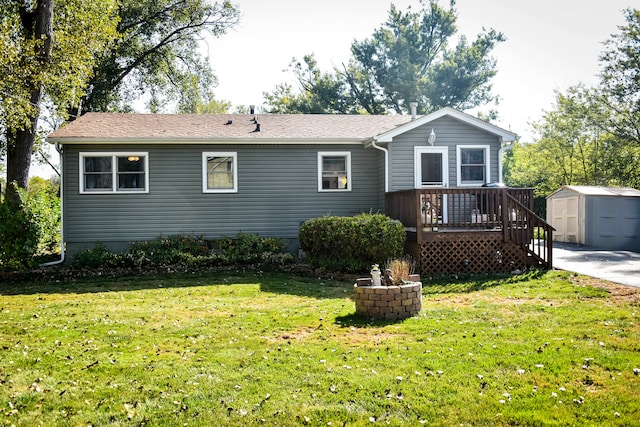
(475,230)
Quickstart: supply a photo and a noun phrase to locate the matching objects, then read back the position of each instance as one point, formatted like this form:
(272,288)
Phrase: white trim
(487,165)
(322,154)
(114,171)
(504,135)
(205,173)
(417,165)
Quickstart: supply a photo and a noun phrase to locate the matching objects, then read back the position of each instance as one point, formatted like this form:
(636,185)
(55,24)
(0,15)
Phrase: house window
(219,172)
(334,171)
(114,173)
(473,164)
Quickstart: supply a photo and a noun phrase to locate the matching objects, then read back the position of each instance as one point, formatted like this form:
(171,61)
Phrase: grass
(274,349)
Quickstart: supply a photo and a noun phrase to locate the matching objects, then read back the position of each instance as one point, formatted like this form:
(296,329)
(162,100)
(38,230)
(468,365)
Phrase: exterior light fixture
(432,137)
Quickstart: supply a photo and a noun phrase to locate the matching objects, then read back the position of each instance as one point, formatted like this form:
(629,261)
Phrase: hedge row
(187,251)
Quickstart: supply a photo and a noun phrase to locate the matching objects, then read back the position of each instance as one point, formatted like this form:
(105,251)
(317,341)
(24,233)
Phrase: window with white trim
(114,173)
(219,172)
(473,165)
(334,171)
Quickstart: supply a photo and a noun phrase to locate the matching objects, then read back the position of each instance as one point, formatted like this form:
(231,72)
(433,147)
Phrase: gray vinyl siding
(450,133)
(277,191)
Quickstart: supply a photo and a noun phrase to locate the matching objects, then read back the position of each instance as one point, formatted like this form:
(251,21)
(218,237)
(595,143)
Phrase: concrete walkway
(615,266)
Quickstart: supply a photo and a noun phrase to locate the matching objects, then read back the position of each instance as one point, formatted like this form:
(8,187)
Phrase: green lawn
(275,349)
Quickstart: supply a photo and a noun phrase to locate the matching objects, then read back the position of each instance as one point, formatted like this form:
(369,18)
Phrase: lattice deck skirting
(466,252)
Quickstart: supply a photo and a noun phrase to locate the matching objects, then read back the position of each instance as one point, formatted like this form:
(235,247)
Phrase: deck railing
(506,210)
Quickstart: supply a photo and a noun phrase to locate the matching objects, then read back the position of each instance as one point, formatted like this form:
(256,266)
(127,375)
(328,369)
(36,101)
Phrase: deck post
(505,214)
(419,236)
(549,237)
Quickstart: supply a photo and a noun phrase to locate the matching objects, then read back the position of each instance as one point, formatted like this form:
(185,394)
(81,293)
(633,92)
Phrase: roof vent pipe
(414,110)
(257,127)
(252,109)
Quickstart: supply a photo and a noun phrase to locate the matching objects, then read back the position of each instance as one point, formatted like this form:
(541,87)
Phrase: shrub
(248,248)
(98,257)
(351,244)
(186,251)
(43,198)
(167,251)
(400,269)
(172,251)
(46,210)
(20,228)
(539,233)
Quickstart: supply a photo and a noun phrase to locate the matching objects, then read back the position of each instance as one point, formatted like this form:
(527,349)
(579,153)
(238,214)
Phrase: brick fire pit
(389,302)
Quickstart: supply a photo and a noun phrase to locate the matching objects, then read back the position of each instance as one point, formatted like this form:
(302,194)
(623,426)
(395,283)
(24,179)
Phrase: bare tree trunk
(37,25)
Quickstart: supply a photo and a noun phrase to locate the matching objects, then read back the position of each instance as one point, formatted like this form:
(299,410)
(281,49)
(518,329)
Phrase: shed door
(565,219)
(614,223)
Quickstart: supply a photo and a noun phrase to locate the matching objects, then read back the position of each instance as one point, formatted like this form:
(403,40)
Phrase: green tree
(320,92)
(43,199)
(620,77)
(31,225)
(214,106)
(158,56)
(407,59)
(573,147)
(45,53)
(592,136)
(620,94)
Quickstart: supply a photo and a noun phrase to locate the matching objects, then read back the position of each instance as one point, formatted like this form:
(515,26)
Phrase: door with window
(431,168)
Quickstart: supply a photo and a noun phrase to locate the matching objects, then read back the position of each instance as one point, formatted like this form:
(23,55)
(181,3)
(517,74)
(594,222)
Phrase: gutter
(386,164)
(59,149)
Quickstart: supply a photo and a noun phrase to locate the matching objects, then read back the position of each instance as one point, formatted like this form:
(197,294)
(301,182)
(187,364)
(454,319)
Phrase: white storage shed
(602,217)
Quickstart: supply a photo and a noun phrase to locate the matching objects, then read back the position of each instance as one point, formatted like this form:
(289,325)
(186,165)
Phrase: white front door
(431,167)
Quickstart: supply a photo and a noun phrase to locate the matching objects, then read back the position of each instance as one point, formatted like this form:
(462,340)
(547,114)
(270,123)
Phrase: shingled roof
(188,127)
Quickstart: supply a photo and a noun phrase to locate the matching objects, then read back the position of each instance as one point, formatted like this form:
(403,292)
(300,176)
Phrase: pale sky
(551,44)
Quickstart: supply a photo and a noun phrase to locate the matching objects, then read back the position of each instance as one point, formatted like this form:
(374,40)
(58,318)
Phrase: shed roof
(105,127)
(599,191)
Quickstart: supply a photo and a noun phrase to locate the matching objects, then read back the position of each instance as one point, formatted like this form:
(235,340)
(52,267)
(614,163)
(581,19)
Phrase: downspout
(501,151)
(386,164)
(59,149)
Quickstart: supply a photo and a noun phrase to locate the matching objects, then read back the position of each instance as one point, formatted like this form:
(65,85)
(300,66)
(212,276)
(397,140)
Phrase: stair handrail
(524,222)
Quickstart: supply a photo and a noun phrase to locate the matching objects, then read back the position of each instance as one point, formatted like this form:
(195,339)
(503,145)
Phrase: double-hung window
(114,173)
(219,172)
(473,165)
(334,171)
